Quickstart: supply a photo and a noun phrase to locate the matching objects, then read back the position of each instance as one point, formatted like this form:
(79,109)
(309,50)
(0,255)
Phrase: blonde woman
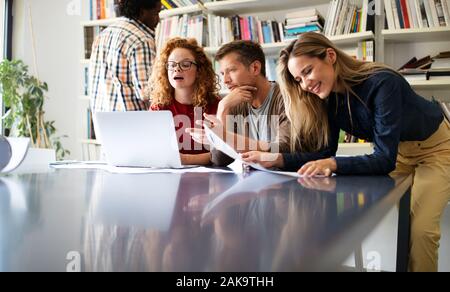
(326,90)
(184,82)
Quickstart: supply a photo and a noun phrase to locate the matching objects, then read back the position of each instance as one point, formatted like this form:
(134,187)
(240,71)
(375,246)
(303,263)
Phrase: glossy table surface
(88,220)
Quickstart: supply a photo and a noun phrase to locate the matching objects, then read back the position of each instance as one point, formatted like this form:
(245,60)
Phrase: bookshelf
(427,37)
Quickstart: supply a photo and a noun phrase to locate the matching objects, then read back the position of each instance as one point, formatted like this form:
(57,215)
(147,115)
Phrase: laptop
(135,201)
(138,139)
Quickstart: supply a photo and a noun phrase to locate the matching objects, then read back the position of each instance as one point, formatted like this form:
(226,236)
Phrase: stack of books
(303,21)
(416,70)
(440,69)
(427,68)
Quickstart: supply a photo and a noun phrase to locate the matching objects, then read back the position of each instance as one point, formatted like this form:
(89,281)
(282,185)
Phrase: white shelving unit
(181,10)
(100,22)
(402,44)
(416,35)
(89,141)
(350,149)
(339,40)
(231,7)
(431,84)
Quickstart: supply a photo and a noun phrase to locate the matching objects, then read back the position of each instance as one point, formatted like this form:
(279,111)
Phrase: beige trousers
(429,162)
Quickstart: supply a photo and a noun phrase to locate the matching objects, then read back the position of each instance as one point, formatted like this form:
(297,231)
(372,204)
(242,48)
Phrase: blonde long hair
(207,82)
(307,113)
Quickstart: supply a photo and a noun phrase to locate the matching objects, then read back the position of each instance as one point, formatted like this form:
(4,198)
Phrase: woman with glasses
(184,82)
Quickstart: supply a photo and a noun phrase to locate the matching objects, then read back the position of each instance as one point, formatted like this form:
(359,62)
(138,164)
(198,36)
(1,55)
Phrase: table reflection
(145,223)
(20,213)
(217,222)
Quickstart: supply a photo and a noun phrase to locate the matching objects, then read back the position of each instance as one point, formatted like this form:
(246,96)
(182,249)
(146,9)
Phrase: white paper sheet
(19,148)
(219,144)
(132,170)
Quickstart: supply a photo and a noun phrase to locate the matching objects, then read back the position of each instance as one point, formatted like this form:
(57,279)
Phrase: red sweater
(185,117)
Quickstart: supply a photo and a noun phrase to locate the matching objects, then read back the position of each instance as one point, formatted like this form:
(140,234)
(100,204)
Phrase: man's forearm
(196,159)
(222,112)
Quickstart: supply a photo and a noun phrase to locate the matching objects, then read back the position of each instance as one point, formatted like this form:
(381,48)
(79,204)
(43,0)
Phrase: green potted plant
(23,96)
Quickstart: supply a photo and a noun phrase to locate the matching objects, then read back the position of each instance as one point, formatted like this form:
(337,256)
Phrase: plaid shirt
(120,67)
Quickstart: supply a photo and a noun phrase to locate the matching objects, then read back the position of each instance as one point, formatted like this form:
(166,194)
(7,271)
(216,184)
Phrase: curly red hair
(207,82)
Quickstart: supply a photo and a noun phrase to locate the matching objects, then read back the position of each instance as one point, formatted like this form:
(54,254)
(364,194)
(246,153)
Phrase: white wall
(59,45)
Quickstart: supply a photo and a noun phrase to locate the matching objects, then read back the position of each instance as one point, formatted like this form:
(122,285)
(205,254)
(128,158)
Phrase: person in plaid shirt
(122,57)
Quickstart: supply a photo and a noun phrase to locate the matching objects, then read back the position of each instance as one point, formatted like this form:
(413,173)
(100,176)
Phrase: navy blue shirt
(389,112)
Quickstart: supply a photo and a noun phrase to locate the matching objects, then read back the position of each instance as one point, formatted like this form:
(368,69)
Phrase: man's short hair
(248,52)
(132,8)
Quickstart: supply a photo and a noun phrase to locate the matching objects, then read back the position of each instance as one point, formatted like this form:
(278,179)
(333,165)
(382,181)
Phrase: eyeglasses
(183,65)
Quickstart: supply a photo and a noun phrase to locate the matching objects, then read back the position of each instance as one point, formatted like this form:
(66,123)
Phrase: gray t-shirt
(258,119)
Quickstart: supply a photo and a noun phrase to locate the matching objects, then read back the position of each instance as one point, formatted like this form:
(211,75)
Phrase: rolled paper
(5,152)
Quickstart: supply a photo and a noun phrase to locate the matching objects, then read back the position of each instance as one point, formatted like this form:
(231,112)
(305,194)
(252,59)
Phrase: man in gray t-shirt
(252,115)
(259,118)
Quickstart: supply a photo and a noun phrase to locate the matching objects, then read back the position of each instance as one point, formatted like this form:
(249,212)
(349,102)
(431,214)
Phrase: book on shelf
(90,126)
(441,61)
(301,21)
(346,16)
(90,33)
(103,9)
(404,14)
(423,63)
(186,26)
(345,138)
(86,81)
(173,4)
(414,74)
(443,75)
(364,51)
(226,29)
(445,108)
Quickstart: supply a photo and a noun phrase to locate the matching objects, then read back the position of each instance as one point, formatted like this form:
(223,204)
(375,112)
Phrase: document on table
(221,145)
(132,170)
